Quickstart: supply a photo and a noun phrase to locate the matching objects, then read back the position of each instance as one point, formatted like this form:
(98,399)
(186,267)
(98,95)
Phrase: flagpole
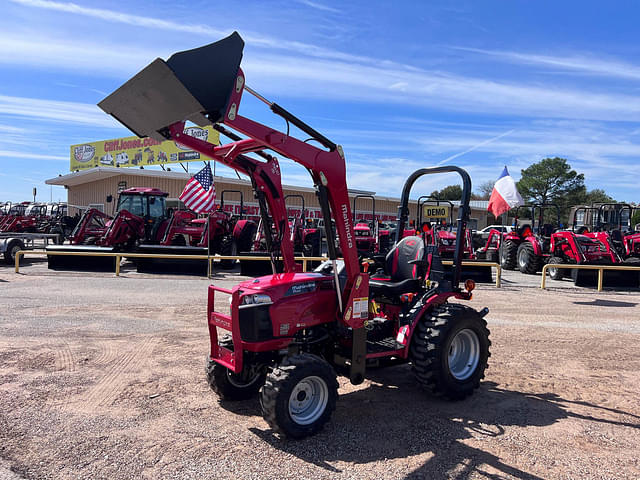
(209,234)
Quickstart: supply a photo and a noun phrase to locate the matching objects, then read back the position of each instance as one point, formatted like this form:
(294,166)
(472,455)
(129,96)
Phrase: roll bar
(463,212)
(241,200)
(373,208)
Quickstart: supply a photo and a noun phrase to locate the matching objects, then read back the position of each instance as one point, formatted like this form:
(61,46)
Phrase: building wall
(96,193)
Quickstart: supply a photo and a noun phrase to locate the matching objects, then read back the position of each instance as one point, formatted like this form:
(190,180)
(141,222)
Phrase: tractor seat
(523,229)
(382,288)
(401,276)
(547,230)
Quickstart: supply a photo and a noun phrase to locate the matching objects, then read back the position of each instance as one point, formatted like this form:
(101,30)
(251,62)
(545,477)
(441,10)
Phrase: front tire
(556,273)
(233,386)
(299,395)
(229,248)
(449,350)
(508,255)
(528,261)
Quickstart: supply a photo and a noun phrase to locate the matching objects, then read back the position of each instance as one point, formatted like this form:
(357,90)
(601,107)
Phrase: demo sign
(136,151)
(435,211)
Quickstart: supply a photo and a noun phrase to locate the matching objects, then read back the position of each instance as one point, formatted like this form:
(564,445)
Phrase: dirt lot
(102,377)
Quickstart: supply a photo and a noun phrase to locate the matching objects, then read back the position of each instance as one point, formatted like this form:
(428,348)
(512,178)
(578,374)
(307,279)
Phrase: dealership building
(91,187)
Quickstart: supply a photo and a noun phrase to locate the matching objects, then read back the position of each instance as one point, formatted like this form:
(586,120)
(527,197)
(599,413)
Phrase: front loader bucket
(611,279)
(192,85)
(87,263)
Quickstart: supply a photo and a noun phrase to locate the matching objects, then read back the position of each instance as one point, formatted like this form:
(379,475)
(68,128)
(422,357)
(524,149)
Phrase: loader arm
(205,85)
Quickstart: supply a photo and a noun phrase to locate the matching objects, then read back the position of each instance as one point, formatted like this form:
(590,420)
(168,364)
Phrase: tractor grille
(255,323)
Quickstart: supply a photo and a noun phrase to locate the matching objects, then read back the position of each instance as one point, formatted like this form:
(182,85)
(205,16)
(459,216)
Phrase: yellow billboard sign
(435,211)
(137,152)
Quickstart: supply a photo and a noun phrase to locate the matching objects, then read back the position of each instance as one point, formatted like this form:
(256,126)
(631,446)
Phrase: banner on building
(137,152)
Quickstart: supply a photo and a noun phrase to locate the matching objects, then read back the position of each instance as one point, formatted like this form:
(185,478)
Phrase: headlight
(444,241)
(255,298)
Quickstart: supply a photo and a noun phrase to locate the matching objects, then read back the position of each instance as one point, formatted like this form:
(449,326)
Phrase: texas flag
(505,195)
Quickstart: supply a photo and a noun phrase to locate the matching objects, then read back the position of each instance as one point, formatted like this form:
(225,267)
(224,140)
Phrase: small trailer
(11,243)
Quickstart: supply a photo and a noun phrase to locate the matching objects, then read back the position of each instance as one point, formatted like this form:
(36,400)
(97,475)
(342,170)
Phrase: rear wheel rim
(464,354)
(308,400)
(522,258)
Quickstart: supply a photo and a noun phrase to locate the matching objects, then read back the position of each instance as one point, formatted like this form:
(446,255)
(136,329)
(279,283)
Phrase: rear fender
(431,302)
(537,248)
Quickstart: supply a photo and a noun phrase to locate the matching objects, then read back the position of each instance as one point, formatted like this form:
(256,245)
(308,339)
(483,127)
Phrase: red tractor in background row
(304,235)
(527,245)
(593,246)
(143,224)
(371,239)
(611,218)
(291,333)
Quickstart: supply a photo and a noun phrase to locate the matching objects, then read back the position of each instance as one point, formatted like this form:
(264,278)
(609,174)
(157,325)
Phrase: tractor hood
(283,281)
(192,85)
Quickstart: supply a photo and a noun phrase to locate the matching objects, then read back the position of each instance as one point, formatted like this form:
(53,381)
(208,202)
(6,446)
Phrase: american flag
(200,193)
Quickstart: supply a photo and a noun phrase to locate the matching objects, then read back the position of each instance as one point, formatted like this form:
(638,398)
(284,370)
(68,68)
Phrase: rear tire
(233,386)
(508,255)
(228,247)
(556,273)
(449,350)
(12,250)
(528,261)
(299,395)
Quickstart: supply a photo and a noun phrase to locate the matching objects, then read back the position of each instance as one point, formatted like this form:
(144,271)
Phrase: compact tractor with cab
(291,332)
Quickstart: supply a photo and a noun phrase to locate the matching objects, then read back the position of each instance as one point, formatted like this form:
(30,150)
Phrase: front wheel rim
(464,354)
(308,400)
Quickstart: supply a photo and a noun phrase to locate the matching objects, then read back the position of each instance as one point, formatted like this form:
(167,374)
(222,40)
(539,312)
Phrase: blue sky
(401,85)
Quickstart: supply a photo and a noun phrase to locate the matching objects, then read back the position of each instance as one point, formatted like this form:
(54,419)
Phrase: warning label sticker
(361,307)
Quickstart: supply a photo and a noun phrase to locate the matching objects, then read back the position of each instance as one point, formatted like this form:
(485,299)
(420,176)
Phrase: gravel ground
(102,377)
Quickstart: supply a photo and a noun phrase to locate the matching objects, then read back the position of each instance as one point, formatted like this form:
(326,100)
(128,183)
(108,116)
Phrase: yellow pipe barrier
(472,263)
(569,266)
(119,255)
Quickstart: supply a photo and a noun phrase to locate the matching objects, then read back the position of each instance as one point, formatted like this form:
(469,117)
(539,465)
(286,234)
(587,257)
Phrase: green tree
(484,190)
(597,195)
(552,180)
(451,192)
(635,219)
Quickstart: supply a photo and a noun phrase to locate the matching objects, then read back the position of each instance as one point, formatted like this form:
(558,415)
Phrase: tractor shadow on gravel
(394,419)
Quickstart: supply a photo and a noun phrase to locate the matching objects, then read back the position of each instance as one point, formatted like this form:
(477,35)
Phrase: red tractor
(304,235)
(615,218)
(435,224)
(291,333)
(371,239)
(590,246)
(143,224)
(18,221)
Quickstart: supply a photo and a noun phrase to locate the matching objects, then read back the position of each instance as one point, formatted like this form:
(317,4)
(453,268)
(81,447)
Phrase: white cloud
(67,112)
(581,63)
(318,6)
(189,28)
(34,156)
